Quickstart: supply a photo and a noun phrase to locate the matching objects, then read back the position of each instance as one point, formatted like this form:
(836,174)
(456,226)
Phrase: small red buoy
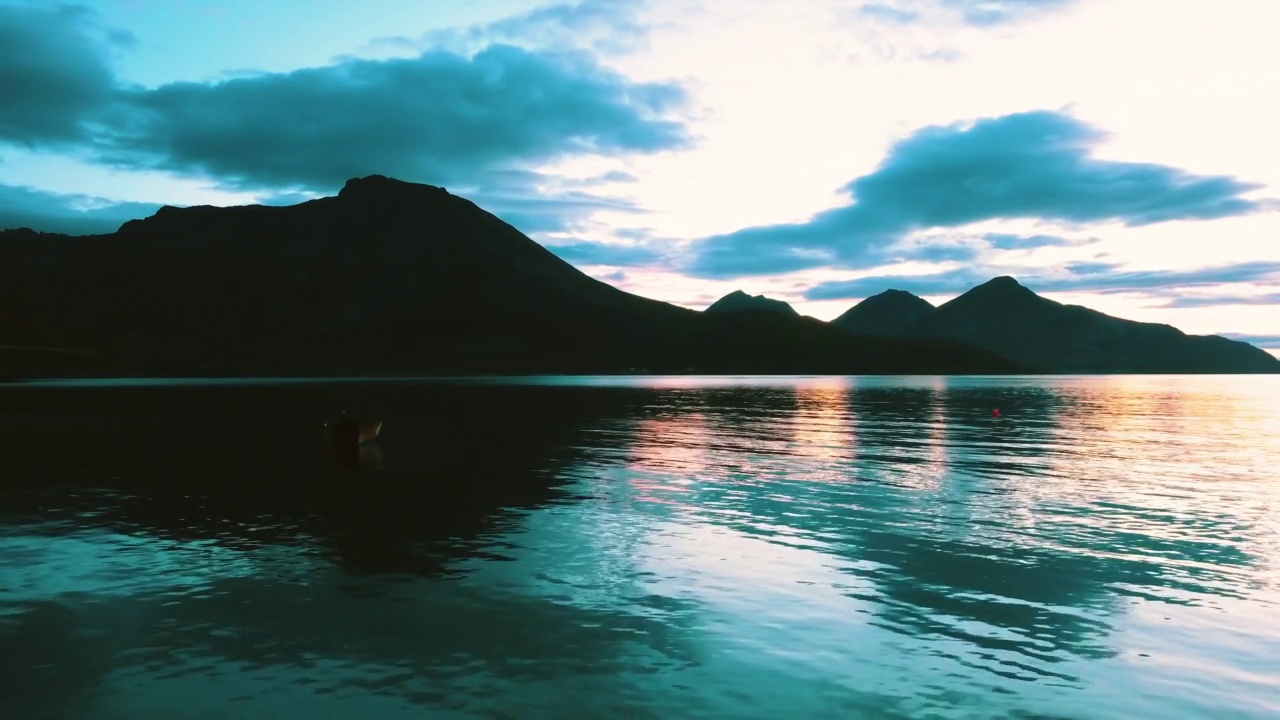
(995,413)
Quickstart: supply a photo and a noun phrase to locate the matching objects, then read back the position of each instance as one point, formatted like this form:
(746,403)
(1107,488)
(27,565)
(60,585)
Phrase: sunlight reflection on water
(653,547)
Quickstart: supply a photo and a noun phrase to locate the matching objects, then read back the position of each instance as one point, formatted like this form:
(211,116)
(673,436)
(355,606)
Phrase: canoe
(368,430)
(348,428)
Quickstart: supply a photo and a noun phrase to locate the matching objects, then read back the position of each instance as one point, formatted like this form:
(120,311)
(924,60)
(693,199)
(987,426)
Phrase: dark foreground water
(666,548)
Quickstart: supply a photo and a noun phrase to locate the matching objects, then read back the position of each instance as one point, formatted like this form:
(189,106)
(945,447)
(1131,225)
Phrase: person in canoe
(345,427)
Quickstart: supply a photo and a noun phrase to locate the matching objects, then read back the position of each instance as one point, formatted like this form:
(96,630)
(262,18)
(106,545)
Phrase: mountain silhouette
(390,277)
(738,301)
(892,313)
(1007,318)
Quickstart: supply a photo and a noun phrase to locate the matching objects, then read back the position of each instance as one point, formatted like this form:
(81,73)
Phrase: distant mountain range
(1006,318)
(391,277)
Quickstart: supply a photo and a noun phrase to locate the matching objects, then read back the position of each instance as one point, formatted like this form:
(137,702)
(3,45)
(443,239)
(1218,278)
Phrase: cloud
(534,210)
(613,176)
(25,207)
(479,123)
(602,26)
(1262,341)
(934,249)
(1091,277)
(978,13)
(1000,12)
(1173,280)
(54,73)
(888,13)
(1005,241)
(1216,301)
(944,283)
(440,118)
(961,247)
(1034,165)
(586,252)
(1090,268)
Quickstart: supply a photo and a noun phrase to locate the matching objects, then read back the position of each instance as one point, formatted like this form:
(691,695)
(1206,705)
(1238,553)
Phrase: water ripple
(649,547)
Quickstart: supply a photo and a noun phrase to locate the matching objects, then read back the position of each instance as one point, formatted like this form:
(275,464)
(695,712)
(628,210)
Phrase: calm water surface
(666,548)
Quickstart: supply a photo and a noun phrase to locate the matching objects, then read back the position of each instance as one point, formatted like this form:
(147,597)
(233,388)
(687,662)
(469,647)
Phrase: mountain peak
(738,300)
(1002,284)
(382,186)
(1000,297)
(890,313)
(898,296)
(1007,318)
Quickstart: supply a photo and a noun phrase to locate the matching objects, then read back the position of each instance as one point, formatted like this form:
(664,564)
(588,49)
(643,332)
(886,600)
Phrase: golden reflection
(927,473)
(666,452)
(821,428)
(675,444)
(1170,462)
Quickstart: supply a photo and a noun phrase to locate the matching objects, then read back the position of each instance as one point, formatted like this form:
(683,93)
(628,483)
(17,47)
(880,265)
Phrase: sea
(642,547)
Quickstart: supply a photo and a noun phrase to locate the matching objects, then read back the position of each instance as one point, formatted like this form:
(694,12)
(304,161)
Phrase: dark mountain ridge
(890,314)
(737,301)
(391,277)
(1009,319)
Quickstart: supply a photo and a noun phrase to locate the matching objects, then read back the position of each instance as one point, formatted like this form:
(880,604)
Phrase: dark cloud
(55,73)
(934,249)
(1104,279)
(586,252)
(1262,341)
(1005,241)
(474,122)
(964,248)
(24,207)
(1169,280)
(1196,302)
(440,118)
(1027,165)
(1031,165)
(1090,268)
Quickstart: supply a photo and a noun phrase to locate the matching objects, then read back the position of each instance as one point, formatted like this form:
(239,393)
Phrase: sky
(1117,154)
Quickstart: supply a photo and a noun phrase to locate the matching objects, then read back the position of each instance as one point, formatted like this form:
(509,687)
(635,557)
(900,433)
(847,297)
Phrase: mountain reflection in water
(644,547)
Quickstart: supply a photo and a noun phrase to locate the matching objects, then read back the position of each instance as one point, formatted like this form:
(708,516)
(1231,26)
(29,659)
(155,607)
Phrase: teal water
(644,547)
